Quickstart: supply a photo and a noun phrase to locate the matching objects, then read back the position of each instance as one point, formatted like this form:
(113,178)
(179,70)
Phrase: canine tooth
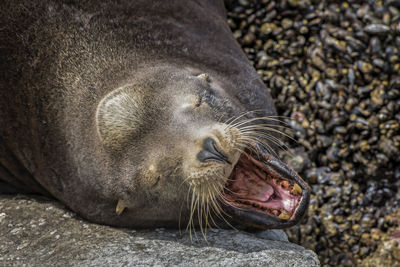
(296,190)
(120,207)
(284,215)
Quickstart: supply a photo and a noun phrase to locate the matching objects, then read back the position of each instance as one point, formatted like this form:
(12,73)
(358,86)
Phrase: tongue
(248,186)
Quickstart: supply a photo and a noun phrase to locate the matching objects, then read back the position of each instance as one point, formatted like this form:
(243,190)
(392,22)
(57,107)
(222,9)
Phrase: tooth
(296,190)
(120,207)
(284,215)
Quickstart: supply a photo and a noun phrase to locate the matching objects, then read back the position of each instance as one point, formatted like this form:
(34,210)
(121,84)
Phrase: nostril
(209,145)
(205,155)
(210,152)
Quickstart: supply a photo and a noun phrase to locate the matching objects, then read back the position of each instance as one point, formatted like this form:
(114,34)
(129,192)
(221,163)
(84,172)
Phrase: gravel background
(333,68)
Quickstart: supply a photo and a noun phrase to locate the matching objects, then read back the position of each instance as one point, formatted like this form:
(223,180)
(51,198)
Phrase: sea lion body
(99,99)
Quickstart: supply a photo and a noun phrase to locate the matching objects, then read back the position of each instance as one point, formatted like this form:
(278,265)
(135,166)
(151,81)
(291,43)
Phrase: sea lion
(140,114)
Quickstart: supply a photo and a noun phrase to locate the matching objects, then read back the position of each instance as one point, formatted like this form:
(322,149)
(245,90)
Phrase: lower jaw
(255,217)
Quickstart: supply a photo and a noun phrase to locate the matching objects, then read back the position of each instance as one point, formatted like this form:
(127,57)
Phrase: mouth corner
(264,192)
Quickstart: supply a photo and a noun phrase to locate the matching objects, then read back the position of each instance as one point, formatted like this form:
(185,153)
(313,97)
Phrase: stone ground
(36,231)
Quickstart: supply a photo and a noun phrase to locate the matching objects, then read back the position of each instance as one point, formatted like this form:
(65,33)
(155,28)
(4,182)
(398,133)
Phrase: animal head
(181,140)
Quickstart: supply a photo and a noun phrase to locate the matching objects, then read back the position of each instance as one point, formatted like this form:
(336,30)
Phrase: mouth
(264,192)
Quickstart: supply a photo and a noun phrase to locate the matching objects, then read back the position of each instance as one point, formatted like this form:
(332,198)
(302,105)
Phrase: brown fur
(60,59)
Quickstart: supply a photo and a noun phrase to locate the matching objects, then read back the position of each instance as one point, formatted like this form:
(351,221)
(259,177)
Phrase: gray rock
(38,231)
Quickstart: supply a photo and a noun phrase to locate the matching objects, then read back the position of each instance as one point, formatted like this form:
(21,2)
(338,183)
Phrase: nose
(210,152)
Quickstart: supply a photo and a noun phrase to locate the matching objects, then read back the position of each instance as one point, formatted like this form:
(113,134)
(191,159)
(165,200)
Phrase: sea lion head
(181,149)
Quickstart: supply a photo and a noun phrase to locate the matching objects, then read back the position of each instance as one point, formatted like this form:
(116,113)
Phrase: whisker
(251,148)
(254,127)
(266,126)
(190,223)
(266,145)
(269,137)
(276,141)
(265,118)
(241,115)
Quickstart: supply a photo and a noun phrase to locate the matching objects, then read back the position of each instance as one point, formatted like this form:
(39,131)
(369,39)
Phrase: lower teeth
(284,215)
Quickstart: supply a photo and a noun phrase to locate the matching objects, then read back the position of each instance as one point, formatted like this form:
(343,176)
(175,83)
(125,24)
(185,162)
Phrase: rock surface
(38,231)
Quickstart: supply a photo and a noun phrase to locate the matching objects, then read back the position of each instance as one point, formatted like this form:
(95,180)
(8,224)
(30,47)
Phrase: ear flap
(119,116)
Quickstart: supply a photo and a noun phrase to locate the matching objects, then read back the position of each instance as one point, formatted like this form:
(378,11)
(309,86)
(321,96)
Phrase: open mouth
(264,192)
